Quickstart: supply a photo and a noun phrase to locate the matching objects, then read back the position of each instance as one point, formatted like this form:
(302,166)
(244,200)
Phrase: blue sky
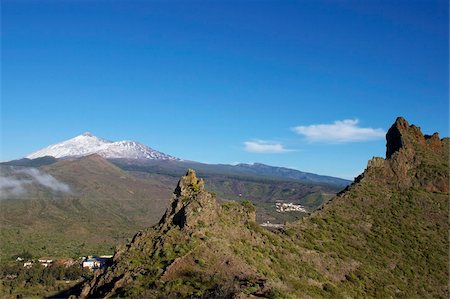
(311,85)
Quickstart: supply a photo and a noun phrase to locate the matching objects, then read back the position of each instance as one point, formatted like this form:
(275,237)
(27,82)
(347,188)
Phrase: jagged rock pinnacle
(403,135)
(410,160)
(191,204)
(189,184)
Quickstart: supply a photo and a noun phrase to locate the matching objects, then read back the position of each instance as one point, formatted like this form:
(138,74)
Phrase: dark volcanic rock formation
(191,204)
(412,159)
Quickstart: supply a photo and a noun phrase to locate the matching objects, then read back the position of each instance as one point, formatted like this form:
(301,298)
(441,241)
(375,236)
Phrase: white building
(289,207)
(45,261)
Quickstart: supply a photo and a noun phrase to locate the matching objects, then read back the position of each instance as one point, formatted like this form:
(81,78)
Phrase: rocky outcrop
(393,217)
(412,160)
(402,136)
(171,249)
(190,205)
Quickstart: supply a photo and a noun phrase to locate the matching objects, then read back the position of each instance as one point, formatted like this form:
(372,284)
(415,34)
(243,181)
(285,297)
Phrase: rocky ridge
(385,236)
(413,160)
(168,250)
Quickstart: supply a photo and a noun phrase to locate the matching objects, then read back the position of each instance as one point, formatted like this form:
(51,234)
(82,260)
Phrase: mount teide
(135,156)
(88,144)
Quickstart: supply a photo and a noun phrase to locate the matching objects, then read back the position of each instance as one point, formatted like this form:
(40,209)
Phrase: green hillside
(385,236)
(107,205)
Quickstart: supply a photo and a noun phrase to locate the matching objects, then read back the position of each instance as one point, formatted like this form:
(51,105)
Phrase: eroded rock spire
(190,205)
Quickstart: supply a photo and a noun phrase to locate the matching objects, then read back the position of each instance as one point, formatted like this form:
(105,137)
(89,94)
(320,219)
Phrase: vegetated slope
(105,205)
(263,192)
(263,185)
(188,236)
(385,236)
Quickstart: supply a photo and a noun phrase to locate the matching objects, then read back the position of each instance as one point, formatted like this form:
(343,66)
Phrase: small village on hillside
(91,263)
(289,207)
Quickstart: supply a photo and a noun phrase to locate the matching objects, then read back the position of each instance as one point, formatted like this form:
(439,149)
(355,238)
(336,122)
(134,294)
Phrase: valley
(106,200)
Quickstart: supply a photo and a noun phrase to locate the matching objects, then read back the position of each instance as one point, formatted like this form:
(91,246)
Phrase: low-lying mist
(14,182)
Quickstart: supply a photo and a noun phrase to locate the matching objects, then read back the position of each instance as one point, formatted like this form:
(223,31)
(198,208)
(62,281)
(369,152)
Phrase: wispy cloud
(46,180)
(340,131)
(15,184)
(12,187)
(265,147)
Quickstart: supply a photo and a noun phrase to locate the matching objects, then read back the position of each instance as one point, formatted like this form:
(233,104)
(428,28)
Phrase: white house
(45,261)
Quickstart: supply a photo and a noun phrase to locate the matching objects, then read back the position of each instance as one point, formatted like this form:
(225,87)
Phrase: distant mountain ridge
(256,170)
(88,144)
(290,173)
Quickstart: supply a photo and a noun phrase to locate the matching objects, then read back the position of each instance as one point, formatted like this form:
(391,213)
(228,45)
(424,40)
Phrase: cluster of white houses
(289,207)
(90,262)
(96,262)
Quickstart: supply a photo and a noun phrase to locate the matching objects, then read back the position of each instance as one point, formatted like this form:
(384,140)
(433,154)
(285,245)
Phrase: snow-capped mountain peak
(89,134)
(87,144)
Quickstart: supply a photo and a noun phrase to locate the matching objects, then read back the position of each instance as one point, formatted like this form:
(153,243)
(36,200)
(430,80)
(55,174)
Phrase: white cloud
(265,147)
(46,180)
(12,187)
(339,132)
(15,186)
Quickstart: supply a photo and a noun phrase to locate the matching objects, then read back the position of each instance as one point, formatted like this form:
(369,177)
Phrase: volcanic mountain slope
(101,206)
(88,144)
(385,236)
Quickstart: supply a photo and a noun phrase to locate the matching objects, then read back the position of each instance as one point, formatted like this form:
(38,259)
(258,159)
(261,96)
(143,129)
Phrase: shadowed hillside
(385,236)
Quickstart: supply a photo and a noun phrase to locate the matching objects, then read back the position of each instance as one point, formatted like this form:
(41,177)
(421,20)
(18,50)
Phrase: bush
(248,205)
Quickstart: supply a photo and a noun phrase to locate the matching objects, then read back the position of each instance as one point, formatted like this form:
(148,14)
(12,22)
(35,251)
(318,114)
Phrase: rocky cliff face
(191,204)
(413,160)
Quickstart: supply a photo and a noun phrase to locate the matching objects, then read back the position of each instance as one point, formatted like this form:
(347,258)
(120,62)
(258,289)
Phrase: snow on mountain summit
(87,144)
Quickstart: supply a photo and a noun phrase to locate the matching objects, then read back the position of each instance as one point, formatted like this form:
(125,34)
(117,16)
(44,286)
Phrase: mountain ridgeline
(135,156)
(385,236)
(88,144)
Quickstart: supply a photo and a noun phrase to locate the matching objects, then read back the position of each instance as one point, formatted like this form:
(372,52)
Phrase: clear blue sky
(225,81)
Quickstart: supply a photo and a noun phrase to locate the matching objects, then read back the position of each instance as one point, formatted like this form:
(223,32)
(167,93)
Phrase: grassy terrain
(107,205)
(39,281)
(395,250)
(386,236)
